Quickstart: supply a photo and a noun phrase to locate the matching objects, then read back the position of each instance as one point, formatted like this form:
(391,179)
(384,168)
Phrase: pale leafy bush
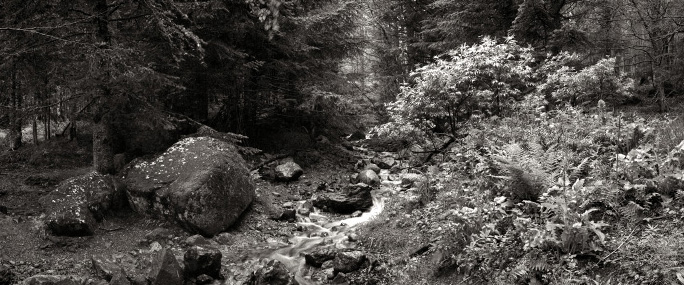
(477,79)
(590,84)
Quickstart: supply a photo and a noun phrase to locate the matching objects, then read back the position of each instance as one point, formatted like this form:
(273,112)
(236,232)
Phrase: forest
(341,142)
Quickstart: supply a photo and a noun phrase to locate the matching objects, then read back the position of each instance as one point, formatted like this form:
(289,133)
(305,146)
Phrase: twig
(619,246)
(657,218)
(111,230)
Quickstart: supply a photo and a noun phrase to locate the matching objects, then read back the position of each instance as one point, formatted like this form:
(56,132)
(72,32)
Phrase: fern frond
(581,170)
(520,272)
(539,265)
(679,195)
(632,211)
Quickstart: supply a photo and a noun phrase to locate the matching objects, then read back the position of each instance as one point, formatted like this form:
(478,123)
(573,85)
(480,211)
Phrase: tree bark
(103,132)
(103,150)
(34,128)
(14,136)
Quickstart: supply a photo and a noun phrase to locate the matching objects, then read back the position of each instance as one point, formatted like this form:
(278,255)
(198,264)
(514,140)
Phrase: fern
(531,168)
(679,196)
(581,170)
(532,266)
(632,211)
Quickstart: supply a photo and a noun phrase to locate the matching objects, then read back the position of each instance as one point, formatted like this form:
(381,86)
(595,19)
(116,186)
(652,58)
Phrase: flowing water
(319,232)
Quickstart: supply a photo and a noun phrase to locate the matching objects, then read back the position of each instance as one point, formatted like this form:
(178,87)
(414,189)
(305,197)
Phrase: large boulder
(356,197)
(201,183)
(76,205)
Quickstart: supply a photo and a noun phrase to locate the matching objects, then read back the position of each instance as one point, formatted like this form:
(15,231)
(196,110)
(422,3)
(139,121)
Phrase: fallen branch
(111,230)
(272,159)
(440,150)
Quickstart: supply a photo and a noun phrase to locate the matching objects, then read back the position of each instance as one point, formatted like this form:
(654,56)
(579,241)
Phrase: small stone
(409,180)
(166,270)
(353,237)
(348,261)
(288,205)
(204,279)
(158,234)
(373,166)
(224,238)
(196,240)
(318,257)
(340,278)
(329,273)
(327,264)
(273,273)
(358,197)
(385,162)
(356,214)
(307,205)
(57,279)
(202,260)
(139,280)
(357,135)
(354,178)
(103,267)
(284,215)
(7,277)
(304,211)
(369,177)
(119,279)
(155,246)
(322,186)
(288,171)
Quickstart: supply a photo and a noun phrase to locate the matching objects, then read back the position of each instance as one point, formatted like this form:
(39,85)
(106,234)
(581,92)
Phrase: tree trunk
(34,127)
(662,104)
(14,135)
(48,125)
(103,133)
(103,150)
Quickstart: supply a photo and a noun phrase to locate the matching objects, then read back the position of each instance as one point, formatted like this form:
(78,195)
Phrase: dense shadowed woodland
(341,142)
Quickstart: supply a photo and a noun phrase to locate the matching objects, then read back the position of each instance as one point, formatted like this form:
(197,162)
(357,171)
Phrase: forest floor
(408,242)
(33,171)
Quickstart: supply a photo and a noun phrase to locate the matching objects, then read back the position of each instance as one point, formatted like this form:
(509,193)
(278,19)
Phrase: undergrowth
(564,197)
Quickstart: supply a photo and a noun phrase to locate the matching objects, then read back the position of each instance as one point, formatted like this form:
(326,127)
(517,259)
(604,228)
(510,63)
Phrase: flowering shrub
(591,84)
(481,78)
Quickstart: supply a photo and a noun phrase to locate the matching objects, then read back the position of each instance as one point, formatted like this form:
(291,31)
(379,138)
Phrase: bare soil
(33,171)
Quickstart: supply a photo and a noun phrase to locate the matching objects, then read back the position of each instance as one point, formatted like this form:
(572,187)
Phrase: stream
(319,232)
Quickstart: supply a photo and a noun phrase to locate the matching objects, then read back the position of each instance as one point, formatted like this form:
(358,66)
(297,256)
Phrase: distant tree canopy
(255,66)
(240,66)
(646,37)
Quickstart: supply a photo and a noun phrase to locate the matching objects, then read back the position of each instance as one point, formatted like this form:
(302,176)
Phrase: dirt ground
(26,249)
